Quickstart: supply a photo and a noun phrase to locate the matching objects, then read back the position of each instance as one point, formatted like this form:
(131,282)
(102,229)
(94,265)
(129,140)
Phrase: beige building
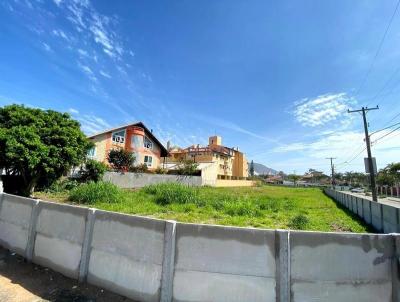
(223,162)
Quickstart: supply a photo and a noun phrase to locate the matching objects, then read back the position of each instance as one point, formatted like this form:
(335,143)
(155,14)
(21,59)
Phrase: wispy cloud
(73,111)
(88,71)
(105,74)
(91,124)
(46,47)
(323,109)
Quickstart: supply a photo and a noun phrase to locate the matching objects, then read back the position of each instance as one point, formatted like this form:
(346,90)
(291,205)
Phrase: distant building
(227,163)
(133,137)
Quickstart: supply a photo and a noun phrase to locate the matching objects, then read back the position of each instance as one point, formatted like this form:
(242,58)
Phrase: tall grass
(94,192)
(168,193)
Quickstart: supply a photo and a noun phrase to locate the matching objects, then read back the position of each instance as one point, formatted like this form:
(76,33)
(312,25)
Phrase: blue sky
(272,77)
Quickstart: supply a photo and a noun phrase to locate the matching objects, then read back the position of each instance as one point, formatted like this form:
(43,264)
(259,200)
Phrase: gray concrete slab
(132,247)
(367,211)
(60,232)
(341,267)
(224,264)
(376,216)
(390,219)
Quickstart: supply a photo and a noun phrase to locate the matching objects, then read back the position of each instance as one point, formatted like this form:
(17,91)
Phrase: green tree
(121,159)
(251,169)
(39,145)
(293,177)
(92,170)
(187,167)
(390,175)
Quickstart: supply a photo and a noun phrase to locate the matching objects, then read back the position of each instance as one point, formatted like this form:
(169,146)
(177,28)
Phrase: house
(133,137)
(225,162)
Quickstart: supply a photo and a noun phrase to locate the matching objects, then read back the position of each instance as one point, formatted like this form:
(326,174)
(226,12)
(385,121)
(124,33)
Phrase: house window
(92,152)
(148,143)
(118,137)
(148,160)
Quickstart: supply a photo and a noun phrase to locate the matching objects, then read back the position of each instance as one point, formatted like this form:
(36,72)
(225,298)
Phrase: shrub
(93,171)
(187,167)
(142,168)
(168,193)
(160,170)
(299,222)
(63,185)
(93,192)
(121,160)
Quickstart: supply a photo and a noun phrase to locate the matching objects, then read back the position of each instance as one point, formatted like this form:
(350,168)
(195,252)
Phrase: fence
(384,218)
(156,260)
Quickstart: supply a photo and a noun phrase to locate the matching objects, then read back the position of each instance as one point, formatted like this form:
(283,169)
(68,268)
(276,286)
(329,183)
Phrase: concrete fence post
(167,277)
(1,187)
(32,231)
(282,260)
(87,241)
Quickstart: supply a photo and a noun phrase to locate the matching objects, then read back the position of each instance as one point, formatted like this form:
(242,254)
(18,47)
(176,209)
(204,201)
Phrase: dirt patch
(26,282)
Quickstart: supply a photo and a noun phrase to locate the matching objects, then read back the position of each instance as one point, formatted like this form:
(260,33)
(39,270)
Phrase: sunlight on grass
(264,207)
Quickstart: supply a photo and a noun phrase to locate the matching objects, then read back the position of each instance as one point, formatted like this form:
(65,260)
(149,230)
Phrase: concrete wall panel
(139,180)
(15,215)
(360,207)
(367,211)
(59,237)
(132,248)
(390,219)
(376,216)
(224,264)
(325,267)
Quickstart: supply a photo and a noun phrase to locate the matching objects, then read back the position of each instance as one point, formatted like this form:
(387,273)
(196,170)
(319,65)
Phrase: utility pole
(332,171)
(364,111)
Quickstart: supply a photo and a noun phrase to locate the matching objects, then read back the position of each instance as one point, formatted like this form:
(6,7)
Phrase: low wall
(139,180)
(383,218)
(234,183)
(156,260)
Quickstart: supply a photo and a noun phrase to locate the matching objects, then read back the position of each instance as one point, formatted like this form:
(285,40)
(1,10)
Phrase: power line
(378,50)
(379,138)
(377,131)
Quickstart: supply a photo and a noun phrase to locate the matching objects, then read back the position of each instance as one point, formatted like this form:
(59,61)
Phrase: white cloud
(57,2)
(88,71)
(105,74)
(46,47)
(322,109)
(92,124)
(73,111)
(60,33)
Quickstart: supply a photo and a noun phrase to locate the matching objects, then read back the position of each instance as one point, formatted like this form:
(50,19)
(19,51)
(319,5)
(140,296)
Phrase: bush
(93,171)
(299,222)
(168,193)
(142,168)
(121,160)
(187,167)
(93,192)
(62,185)
(160,170)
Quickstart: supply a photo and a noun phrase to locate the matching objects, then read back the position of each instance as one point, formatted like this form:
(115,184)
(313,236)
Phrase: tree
(93,170)
(121,159)
(390,175)
(251,169)
(39,145)
(187,167)
(294,178)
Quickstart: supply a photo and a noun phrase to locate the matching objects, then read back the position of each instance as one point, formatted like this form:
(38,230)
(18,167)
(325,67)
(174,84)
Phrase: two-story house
(135,138)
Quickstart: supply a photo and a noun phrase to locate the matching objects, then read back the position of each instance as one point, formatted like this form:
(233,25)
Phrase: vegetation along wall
(156,260)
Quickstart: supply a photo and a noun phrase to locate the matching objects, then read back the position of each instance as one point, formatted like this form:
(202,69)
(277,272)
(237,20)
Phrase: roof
(211,148)
(164,151)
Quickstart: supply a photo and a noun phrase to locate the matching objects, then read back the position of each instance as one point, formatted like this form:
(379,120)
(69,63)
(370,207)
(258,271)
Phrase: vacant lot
(265,207)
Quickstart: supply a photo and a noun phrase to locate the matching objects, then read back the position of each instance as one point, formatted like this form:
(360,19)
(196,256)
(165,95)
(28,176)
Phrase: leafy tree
(142,168)
(251,169)
(121,159)
(187,167)
(93,170)
(293,177)
(39,145)
(390,175)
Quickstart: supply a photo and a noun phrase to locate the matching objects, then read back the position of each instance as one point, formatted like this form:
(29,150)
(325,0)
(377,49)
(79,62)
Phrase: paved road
(388,201)
(24,282)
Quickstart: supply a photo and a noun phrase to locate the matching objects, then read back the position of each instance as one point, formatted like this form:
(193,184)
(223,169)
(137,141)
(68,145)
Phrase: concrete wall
(234,183)
(383,218)
(139,180)
(156,260)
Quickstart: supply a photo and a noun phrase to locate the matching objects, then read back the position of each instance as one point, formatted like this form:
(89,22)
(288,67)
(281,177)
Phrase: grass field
(265,207)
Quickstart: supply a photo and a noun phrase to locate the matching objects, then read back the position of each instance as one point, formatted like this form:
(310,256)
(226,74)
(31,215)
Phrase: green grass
(264,207)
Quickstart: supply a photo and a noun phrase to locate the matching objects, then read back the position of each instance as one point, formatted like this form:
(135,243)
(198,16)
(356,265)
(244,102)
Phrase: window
(148,143)
(148,160)
(119,137)
(92,152)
